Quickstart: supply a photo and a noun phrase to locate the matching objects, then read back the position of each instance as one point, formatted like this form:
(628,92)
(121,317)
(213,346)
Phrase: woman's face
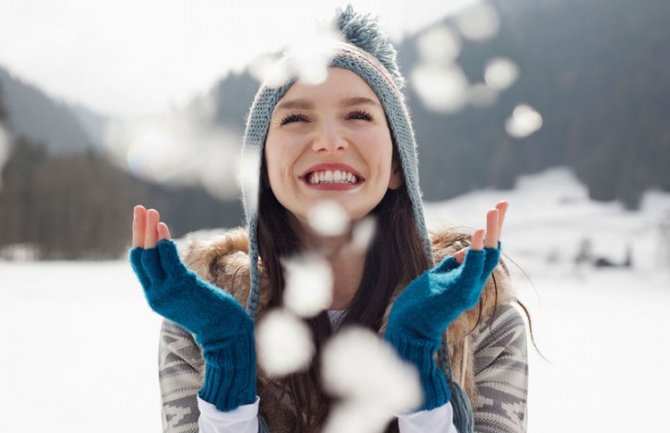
(330,141)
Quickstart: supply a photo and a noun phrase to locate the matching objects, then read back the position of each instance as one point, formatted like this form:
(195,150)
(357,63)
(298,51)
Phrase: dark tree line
(68,207)
(80,206)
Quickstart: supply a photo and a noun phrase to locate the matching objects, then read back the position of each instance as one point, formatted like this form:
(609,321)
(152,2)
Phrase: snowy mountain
(63,128)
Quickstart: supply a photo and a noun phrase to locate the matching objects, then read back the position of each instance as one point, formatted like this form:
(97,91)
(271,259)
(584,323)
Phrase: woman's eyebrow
(359,100)
(292,104)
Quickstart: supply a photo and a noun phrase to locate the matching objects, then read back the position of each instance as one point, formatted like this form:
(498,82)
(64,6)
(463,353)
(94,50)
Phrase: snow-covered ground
(78,350)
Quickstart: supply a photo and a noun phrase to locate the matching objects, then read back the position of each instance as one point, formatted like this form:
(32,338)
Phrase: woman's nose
(329,139)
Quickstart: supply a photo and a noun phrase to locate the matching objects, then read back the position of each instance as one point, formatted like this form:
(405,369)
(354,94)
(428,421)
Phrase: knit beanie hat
(368,53)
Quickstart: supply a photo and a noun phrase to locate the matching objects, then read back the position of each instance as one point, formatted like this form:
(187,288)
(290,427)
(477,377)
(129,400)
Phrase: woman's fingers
(478,240)
(163,231)
(147,228)
(502,207)
(151,232)
(460,255)
(492,228)
(139,225)
(494,223)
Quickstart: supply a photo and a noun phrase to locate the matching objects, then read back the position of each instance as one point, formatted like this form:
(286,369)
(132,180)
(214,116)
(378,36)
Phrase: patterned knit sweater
(490,362)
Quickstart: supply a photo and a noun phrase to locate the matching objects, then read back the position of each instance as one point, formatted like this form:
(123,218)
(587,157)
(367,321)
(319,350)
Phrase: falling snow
(309,284)
(284,343)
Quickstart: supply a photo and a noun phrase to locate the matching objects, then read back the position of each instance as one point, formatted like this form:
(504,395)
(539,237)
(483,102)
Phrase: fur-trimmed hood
(224,261)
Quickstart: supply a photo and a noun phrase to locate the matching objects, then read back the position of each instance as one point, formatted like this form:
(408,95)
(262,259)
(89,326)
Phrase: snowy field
(79,346)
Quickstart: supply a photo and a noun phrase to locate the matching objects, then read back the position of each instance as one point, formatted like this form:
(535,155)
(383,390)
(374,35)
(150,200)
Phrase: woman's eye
(359,114)
(293,118)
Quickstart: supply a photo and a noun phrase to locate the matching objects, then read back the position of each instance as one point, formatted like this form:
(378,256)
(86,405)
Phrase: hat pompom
(363,31)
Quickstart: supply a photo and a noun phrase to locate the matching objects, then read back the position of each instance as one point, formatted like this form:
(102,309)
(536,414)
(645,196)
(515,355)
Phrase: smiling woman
(347,141)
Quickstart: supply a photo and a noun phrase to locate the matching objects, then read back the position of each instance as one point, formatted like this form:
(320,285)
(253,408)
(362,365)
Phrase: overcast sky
(128,57)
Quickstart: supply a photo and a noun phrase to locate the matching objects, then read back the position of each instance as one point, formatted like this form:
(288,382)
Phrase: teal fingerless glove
(425,308)
(220,325)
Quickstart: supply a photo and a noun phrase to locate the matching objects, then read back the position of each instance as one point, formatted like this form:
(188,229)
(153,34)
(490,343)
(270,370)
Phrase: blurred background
(559,106)
(109,105)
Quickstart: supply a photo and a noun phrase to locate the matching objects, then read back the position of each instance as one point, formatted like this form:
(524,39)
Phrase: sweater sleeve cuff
(230,373)
(436,391)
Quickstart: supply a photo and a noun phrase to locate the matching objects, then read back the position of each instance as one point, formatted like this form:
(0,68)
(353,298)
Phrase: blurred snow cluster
(443,86)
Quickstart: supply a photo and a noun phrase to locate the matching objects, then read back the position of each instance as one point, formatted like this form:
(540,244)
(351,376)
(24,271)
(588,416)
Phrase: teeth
(332,176)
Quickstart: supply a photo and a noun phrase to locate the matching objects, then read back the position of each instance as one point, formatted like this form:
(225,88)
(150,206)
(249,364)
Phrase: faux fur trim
(224,261)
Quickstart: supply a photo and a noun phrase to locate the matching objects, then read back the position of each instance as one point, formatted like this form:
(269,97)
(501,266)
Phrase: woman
(350,140)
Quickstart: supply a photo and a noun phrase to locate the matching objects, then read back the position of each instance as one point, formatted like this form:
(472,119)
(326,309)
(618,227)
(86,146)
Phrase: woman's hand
(435,298)
(148,228)
(219,323)
(494,224)
(429,303)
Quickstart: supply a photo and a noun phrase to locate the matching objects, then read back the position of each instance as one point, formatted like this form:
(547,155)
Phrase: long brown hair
(395,256)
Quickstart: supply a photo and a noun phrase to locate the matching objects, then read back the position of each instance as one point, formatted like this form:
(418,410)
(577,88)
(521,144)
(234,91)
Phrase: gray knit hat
(368,53)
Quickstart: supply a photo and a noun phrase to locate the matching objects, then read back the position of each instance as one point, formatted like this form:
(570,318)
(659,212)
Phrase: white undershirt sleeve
(244,419)
(438,420)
